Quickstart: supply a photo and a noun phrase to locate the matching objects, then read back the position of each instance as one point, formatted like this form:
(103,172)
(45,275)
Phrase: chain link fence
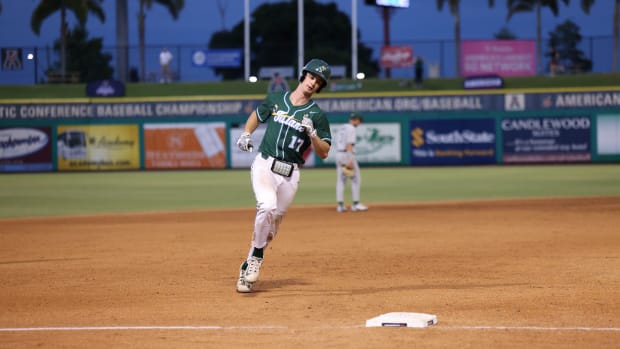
(36,64)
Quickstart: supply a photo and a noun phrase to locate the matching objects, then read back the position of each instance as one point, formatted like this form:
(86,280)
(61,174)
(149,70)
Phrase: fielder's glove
(245,142)
(348,172)
(308,126)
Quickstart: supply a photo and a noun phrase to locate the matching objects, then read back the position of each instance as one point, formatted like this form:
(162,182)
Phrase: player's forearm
(251,124)
(321,148)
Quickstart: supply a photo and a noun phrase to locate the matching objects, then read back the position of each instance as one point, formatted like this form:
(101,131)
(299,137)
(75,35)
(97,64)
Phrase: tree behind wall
(273,40)
(81,9)
(566,38)
(85,56)
(505,34)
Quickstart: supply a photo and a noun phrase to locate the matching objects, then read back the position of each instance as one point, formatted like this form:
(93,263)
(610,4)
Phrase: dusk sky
(421,22)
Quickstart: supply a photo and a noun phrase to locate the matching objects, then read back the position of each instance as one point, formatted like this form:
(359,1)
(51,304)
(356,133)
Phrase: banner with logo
(396,56)
(546,139)
(573,100)
(608,134)
(217,58)
(375,143)
(25,149)
(98,147)
(185,145)
(452,142)
(105,88)
(499,57)
(12,59)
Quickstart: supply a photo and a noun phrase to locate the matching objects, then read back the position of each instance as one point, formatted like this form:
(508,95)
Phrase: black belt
(267,157)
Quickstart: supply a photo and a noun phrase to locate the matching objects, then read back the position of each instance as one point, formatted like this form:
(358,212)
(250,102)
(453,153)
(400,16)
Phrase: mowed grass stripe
(53,194)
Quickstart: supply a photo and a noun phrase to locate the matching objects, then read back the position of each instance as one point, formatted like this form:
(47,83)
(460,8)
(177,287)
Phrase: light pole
(300,34)
(36,65)
(386,35)
(354,67)
(246,39)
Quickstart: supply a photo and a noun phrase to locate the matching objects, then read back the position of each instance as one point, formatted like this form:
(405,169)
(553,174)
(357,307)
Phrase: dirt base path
(511,274)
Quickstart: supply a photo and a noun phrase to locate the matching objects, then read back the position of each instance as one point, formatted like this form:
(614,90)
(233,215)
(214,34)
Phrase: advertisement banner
(375,143)
(185,145)
(396,56)
(25,149)
(573,100)
(452,142)
(105,88)
(608,134)
(129,110)
(217,58)
(405,104)
(98,147)
(546,139)
(12,59)
(499,57)
(200,109)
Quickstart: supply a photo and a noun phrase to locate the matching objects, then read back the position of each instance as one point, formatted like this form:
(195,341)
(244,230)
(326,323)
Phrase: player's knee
(267,207)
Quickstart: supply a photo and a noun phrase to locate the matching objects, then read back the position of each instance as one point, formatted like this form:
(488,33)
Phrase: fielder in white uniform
(347,167)
(294,123)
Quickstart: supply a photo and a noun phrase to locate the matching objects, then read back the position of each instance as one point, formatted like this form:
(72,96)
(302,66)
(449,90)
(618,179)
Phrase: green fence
(459,128)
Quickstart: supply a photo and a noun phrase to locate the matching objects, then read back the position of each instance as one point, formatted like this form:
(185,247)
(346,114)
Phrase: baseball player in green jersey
(294,123)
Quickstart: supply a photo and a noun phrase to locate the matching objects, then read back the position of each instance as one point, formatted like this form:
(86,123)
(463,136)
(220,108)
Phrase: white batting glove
(307,124)
(245,142)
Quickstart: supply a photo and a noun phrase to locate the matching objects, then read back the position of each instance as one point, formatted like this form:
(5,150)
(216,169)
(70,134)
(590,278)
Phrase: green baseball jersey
(284,138)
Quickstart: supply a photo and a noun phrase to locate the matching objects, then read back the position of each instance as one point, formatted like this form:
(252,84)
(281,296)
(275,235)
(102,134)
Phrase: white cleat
(359,207)
(253,269)
(243,286)
(341,209)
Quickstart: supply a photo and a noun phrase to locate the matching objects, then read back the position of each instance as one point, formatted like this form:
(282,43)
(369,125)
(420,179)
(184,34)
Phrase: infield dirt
(539,273)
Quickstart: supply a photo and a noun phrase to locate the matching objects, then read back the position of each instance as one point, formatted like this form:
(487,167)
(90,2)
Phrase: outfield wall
(456,128)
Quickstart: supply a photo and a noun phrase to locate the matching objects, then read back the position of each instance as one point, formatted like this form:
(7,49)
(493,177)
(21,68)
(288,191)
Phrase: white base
(398,319)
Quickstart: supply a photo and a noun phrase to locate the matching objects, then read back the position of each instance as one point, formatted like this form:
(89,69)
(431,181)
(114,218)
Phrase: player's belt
(283,168)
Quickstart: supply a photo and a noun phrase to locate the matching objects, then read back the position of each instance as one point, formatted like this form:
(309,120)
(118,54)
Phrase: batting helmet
(318,67)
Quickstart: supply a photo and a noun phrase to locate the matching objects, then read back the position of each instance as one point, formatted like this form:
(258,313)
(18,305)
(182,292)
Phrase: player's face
(312,83)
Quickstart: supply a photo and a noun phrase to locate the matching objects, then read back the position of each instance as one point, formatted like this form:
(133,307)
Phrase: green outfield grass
(54,194)
(235,88)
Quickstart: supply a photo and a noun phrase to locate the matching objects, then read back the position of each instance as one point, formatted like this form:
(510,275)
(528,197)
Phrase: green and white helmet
(318,67)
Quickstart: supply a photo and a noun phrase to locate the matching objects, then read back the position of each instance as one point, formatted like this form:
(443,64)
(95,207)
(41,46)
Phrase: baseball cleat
(253,269)
(359,207)
(341,209)
(243,286)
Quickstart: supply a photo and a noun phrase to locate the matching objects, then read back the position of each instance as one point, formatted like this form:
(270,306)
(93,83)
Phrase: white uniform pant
(343,158)
(274,194)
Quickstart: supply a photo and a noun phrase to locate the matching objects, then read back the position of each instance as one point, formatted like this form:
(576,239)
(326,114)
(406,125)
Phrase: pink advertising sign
(499,57)
(396,56)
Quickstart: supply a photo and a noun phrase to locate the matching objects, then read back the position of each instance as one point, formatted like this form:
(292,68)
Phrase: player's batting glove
(245,142)
(307,124)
